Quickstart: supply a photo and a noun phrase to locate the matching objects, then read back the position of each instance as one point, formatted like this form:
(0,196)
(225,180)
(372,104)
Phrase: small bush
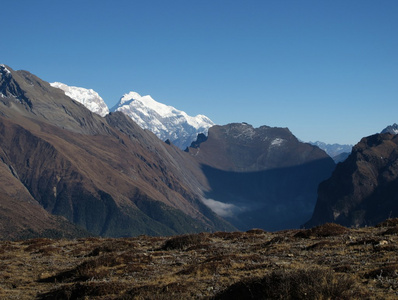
(322,245)
(388,223)
(256,231)
(227,235)
(314,283)
(391,231)
(35,245)
(84,290)
(390,271)
(325,230)
(184,241)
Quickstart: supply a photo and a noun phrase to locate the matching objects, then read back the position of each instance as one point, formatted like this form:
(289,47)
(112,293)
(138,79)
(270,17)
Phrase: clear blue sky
(327,69)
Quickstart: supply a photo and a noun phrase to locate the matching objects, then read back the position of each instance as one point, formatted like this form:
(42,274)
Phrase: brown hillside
(110,180)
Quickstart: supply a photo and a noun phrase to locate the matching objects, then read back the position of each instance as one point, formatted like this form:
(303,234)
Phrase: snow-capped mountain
(391,129)
(167,122)
(335,151)
(88,97)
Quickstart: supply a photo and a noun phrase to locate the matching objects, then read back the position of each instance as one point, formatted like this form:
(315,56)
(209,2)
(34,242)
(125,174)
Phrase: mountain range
(107,176)
(167,122)
(68,171)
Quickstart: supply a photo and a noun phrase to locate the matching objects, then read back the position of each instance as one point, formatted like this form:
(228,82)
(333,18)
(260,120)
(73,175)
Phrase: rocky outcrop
(393,129)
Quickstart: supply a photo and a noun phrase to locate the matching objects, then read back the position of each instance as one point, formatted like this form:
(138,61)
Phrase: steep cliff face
(261,177)
(363,190)
(112,180)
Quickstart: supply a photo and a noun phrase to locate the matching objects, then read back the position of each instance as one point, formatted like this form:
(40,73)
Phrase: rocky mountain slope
(88,97)
(363,190)
(106,175)
(393,129)
(261,177)
(167,122)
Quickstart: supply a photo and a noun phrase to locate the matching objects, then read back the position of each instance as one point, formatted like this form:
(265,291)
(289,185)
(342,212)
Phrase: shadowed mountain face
(261,177)
(106,175)
(363,190)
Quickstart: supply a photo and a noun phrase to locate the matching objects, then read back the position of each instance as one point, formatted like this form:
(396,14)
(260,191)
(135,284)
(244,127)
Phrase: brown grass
(326,262)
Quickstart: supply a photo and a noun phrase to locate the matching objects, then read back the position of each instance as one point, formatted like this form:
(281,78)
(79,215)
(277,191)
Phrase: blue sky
(327,70)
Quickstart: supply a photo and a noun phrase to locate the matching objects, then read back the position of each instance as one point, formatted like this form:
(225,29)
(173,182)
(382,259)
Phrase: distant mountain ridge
(167,122)
(338,152)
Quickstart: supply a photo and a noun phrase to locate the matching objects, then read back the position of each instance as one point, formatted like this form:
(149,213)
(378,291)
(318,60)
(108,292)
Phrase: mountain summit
(393,129)
(88,97)
(165,121)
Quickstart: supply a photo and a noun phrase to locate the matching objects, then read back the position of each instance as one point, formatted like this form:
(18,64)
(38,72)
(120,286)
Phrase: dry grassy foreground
(326,262)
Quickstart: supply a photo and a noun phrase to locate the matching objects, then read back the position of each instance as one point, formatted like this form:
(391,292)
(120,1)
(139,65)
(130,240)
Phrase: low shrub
(84,290)
(312,283)
(325,230)
(184,241)
(388,223)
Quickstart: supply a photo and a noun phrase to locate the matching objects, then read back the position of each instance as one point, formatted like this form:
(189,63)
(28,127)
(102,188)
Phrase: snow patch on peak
(88,97)
(277,142)
(165,121)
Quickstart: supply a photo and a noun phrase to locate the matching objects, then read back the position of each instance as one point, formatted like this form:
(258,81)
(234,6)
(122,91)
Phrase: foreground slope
(326,262)
(363,190)
(112,180)
(261,177)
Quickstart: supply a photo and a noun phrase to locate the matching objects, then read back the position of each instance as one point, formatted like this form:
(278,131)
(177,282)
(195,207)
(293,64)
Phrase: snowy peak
(128,98)
(88,97)
(165,121)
